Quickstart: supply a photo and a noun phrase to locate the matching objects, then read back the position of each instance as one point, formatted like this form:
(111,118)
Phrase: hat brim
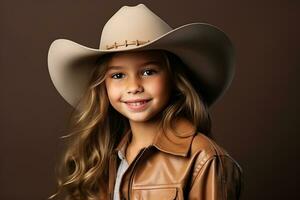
(204,48)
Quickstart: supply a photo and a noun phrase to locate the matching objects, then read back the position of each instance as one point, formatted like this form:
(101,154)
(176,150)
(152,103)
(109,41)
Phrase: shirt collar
(177,143)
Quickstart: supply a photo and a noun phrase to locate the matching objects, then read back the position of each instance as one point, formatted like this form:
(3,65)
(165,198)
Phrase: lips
(137,104)
(136,100)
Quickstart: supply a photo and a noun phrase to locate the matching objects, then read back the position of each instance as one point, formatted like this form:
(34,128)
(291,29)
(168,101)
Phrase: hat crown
(131,26)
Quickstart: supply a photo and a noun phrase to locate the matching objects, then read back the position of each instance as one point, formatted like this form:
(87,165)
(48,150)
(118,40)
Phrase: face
(138,84)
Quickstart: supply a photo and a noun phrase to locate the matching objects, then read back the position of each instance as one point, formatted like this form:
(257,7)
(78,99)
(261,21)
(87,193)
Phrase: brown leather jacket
(188,166)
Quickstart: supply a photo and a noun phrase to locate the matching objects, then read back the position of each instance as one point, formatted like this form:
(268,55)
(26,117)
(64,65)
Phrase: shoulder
(206,145)
(205,149)
(214,167)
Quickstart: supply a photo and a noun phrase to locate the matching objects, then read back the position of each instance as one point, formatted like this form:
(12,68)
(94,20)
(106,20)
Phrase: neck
(143,133)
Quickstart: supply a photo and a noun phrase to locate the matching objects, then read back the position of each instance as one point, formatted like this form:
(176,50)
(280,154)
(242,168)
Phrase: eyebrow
(143,64)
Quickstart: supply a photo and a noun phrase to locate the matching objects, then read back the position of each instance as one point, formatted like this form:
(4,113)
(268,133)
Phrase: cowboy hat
(203,48)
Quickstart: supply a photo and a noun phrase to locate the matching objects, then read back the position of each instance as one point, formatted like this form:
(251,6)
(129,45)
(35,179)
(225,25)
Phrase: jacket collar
(176,142)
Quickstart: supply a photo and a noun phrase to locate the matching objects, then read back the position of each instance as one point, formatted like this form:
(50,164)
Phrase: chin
(139,117)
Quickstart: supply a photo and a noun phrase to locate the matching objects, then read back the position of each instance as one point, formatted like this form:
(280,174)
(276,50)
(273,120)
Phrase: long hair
(96,128)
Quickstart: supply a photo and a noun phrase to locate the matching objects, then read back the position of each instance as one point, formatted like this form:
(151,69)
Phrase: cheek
(113,91)
(160,87)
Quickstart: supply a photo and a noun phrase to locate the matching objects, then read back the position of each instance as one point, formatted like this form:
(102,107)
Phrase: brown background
(257,121)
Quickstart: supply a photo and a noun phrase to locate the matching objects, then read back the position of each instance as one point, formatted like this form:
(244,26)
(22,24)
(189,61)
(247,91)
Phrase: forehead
(136,58)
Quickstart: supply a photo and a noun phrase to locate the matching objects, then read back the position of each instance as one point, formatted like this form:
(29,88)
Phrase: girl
(140,128)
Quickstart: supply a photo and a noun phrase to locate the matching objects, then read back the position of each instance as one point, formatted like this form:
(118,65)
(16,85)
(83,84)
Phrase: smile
(137,105)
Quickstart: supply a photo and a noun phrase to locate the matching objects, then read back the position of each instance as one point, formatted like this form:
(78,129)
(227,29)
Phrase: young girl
(140,128)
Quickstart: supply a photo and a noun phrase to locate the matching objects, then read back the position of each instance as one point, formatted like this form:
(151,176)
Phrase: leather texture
(179,165)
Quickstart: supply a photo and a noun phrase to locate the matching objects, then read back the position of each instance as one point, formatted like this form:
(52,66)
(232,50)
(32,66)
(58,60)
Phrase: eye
(149,72)
(117,76)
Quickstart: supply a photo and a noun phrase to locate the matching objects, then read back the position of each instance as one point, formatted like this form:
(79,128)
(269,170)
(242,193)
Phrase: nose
(134,86)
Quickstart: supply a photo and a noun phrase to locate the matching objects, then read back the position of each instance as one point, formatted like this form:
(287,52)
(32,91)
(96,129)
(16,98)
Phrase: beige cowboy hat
(203,48)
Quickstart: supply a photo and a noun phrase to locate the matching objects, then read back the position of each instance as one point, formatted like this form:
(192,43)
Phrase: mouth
(137,105)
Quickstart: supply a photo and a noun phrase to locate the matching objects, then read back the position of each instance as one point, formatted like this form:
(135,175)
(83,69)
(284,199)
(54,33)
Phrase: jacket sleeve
(218,178)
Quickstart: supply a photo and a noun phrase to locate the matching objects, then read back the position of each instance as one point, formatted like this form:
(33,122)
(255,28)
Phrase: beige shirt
(121,170)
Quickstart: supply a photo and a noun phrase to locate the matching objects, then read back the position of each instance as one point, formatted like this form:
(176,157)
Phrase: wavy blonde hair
(96,129)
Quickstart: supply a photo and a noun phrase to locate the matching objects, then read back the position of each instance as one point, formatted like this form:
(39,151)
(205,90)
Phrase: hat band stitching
(126,43)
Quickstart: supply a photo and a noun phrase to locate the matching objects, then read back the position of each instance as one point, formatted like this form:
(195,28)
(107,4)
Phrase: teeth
(136,103)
